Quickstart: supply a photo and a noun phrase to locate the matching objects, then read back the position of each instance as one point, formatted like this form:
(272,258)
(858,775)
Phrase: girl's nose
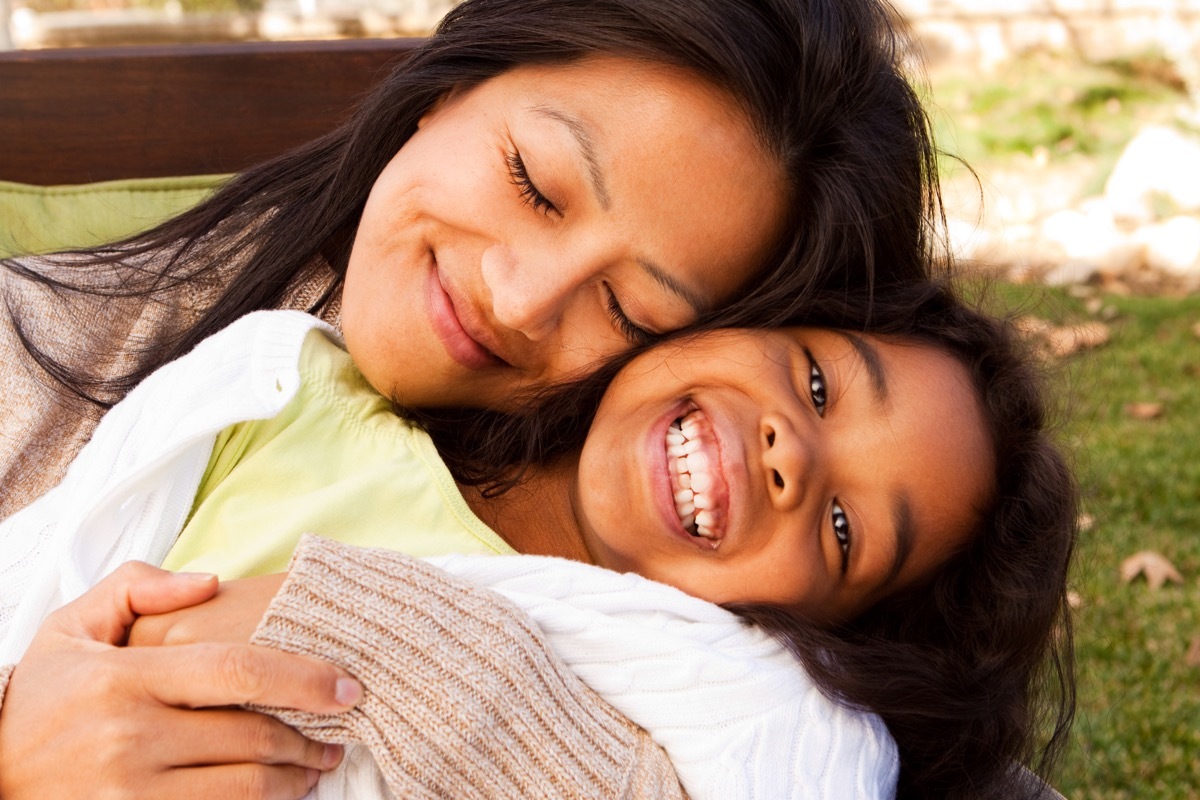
(530,293)
(788,461)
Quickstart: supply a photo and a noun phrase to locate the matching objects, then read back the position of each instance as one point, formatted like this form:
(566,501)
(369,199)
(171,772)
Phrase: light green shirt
(336,462)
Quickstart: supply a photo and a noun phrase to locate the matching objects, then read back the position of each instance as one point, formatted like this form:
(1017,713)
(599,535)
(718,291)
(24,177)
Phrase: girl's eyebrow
(902,520)
(871,359)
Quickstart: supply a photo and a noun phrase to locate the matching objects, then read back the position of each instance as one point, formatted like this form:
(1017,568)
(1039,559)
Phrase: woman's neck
(536,517)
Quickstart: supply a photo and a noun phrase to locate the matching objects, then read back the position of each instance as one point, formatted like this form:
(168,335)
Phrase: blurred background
(1071,175)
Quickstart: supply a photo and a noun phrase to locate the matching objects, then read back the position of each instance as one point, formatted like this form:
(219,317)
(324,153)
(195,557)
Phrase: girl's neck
(537,517)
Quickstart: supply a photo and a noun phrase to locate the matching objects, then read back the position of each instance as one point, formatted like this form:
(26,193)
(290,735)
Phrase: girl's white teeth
(694,485)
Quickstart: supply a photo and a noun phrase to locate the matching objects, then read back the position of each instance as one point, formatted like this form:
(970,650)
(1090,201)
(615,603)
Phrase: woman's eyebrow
(587,147)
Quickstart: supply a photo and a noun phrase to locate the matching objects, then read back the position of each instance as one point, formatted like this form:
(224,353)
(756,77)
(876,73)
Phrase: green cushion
(45,219)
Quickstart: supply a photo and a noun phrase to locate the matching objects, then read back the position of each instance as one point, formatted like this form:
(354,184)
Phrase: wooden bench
(91,114)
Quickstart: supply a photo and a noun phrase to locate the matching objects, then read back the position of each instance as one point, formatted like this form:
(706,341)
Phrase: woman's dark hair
(821,82)
(973,670)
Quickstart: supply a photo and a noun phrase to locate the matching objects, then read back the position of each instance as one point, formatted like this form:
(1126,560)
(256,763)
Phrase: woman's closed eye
(530,194)
(634,333)
(841,531)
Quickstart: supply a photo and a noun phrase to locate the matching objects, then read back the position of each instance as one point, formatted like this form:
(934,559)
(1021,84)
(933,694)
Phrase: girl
(545,183)
(818,483)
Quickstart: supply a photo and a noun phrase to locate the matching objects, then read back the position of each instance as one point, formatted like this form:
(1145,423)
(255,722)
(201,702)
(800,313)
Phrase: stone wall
(989,32)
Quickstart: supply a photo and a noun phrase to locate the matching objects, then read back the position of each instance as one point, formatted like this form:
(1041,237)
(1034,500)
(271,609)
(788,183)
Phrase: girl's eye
(816,385)
(634,333)
(841,531)
(530,195)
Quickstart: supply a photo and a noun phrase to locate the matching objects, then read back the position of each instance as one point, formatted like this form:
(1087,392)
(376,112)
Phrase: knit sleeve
(463,696)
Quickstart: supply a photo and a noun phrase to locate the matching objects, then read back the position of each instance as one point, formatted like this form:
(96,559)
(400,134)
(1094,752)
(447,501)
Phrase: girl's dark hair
(973,670)
(821,82)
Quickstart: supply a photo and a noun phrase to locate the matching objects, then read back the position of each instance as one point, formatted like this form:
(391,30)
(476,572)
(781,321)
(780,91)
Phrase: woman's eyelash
(636,334)
(530,194)
(816,385)
(841,531)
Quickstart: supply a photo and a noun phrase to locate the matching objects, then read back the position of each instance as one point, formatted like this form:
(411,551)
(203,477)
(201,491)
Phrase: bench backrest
(92,114)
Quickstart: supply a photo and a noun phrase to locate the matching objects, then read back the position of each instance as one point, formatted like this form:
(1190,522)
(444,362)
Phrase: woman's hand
(230,616)
(84,717)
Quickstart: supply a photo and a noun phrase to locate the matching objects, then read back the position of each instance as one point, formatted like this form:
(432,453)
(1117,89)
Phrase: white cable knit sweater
(737,715)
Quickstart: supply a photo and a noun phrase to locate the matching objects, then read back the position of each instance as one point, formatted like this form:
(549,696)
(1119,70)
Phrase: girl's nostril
(778,479)
(771,440)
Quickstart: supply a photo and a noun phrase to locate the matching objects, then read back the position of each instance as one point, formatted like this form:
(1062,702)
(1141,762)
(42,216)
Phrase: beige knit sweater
(464,699)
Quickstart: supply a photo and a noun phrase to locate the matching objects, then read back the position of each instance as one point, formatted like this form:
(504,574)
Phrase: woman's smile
(548,218)
(460,345)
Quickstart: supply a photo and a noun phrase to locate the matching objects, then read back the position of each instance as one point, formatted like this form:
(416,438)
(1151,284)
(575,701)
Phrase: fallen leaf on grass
(1062,342)
(1192,659)
(1144,410)
(1155,566)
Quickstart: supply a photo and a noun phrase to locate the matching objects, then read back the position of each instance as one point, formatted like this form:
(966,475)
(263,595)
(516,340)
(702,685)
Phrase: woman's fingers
(79,724)
(234,781)
(82,718)
(233,736)
(218,674)
(105,612)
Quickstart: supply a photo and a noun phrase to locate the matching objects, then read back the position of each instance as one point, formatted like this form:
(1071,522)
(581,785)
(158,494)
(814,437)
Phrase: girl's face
(548,218)
(802,467)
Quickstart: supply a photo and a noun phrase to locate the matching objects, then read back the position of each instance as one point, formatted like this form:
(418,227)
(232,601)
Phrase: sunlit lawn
(1138,730)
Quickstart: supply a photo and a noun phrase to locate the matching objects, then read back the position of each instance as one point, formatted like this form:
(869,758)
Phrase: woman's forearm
(463,697)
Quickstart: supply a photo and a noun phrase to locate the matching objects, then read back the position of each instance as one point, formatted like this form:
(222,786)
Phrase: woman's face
(799,467)
(548,218)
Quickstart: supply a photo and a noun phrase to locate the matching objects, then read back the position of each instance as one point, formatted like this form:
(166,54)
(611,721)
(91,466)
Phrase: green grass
(1138,728)
(1137,733)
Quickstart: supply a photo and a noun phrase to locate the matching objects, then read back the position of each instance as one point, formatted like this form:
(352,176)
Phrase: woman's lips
(448,325)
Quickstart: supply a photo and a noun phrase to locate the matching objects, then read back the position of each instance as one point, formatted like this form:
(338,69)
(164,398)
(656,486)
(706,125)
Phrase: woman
(814,168)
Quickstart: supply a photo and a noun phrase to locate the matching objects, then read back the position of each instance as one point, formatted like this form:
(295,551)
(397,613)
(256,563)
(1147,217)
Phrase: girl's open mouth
(699,488)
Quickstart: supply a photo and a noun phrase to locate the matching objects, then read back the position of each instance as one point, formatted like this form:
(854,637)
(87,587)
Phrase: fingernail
(332,756)
(196,576)
(348,692)
(311,776)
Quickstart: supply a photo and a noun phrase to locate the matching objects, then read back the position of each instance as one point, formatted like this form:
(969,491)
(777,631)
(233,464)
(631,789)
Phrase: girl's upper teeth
(699,490)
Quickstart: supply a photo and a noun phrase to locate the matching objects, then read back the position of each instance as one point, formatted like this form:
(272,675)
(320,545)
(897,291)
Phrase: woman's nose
(788,461)
(530,293)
